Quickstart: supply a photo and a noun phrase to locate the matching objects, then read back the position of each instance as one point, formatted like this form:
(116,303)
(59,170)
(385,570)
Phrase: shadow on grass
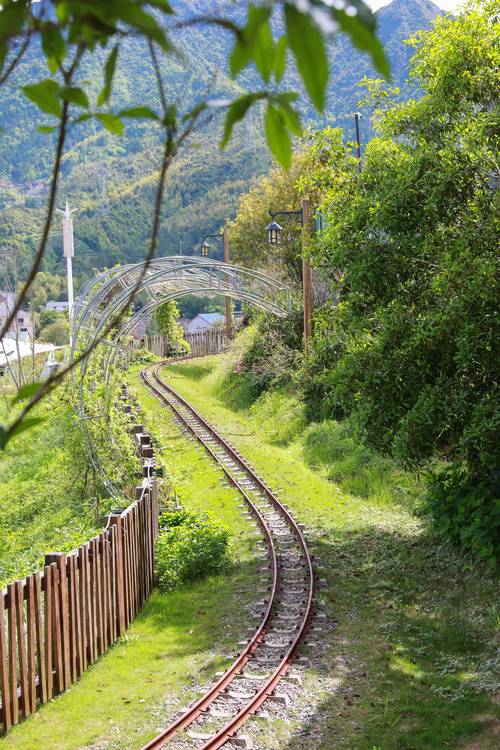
(413,632)
(238,392)
(193,372)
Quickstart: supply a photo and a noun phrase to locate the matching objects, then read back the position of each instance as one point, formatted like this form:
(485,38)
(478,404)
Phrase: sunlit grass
(415,624)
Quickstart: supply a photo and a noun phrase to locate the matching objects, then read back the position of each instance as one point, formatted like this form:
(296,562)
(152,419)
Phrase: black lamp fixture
(274,229)
(205,247)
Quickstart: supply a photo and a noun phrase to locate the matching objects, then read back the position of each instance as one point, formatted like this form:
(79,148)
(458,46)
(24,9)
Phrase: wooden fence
(209,341)
(55,623)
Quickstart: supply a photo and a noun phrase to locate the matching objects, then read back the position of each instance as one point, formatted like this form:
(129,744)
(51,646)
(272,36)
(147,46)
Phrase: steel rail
(223,735)
(237,666)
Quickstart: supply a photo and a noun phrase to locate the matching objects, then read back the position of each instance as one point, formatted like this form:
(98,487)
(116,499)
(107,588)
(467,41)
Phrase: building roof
(210,317)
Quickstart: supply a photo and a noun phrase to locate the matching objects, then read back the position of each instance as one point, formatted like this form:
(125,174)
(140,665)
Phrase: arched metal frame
(107,297)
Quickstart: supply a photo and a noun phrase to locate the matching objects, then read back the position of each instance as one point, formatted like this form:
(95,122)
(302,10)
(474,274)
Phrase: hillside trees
(71,32)
(410,353)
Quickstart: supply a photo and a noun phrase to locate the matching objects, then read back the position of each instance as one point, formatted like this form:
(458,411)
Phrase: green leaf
(289,114)
(26,424)
(109,72)
(280,58)
(27,391)
(278,138)
(12,19)
(364,37)
(53,45)
(244,48)
(110,122)
(83,118)
(237,112)
(306,42)
(135,16)
(170,118)
(262,52)
(162,5)
(46,128)
(74,95)
(45,95)
(139,112)
(4,49)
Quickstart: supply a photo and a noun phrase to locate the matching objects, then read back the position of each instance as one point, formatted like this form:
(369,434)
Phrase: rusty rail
(200,428)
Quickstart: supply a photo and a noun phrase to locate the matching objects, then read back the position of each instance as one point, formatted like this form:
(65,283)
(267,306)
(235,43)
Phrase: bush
(467,511)
(272,351)
(190,546)
(280,416)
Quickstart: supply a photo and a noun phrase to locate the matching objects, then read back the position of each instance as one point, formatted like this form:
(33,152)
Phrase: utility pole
(229,306)
(69,251)
(306,271)
(357,117)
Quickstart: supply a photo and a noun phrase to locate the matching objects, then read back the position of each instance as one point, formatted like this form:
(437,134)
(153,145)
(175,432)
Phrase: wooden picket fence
(56,622)
(209,341)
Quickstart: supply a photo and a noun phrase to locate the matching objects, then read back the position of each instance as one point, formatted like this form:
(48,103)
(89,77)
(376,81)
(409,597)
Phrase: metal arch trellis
(107,297)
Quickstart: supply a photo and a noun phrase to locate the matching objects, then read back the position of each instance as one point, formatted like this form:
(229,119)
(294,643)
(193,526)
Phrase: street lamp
(205,248)
(274,231)
(303,216)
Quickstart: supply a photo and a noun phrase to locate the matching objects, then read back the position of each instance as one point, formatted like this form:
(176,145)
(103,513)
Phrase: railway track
(287,598)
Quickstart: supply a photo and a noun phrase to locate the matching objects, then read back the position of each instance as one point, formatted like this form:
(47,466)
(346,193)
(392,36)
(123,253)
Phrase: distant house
(139,330)
(57,306)
(203,321)
(22,327)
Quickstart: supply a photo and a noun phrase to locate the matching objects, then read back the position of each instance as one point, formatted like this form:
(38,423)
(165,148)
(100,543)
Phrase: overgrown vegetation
(51,498)
(405,347)
(47,496)
(408,657)
(190,546)
(167,321)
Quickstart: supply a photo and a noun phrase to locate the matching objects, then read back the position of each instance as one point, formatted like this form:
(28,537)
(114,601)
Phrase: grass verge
(44,502)
(409,661)
(177,642)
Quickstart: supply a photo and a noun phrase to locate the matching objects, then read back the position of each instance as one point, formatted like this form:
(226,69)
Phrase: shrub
(280,416)
(467,511)
(190,546)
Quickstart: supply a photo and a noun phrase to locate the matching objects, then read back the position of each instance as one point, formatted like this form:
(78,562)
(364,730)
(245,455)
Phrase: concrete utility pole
(357,116)
(306,271)
(229,305)
(69,251)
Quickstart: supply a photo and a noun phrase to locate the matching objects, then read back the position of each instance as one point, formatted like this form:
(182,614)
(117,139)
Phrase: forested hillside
(110,178)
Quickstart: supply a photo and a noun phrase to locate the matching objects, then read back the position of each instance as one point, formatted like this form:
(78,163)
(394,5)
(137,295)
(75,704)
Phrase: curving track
(287,588)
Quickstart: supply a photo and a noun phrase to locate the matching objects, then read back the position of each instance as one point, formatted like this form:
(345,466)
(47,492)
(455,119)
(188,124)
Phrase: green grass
(410,656)
(407,661)
(178,641)
(44,505)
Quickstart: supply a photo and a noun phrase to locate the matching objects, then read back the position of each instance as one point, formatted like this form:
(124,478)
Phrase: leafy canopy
(68,30)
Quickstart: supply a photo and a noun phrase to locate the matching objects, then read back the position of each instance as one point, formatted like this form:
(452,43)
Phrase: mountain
(111,179)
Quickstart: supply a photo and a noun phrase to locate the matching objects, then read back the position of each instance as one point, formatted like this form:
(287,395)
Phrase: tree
(410,353)
(310,171)
(167,316)
(56,332)
(69,30)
